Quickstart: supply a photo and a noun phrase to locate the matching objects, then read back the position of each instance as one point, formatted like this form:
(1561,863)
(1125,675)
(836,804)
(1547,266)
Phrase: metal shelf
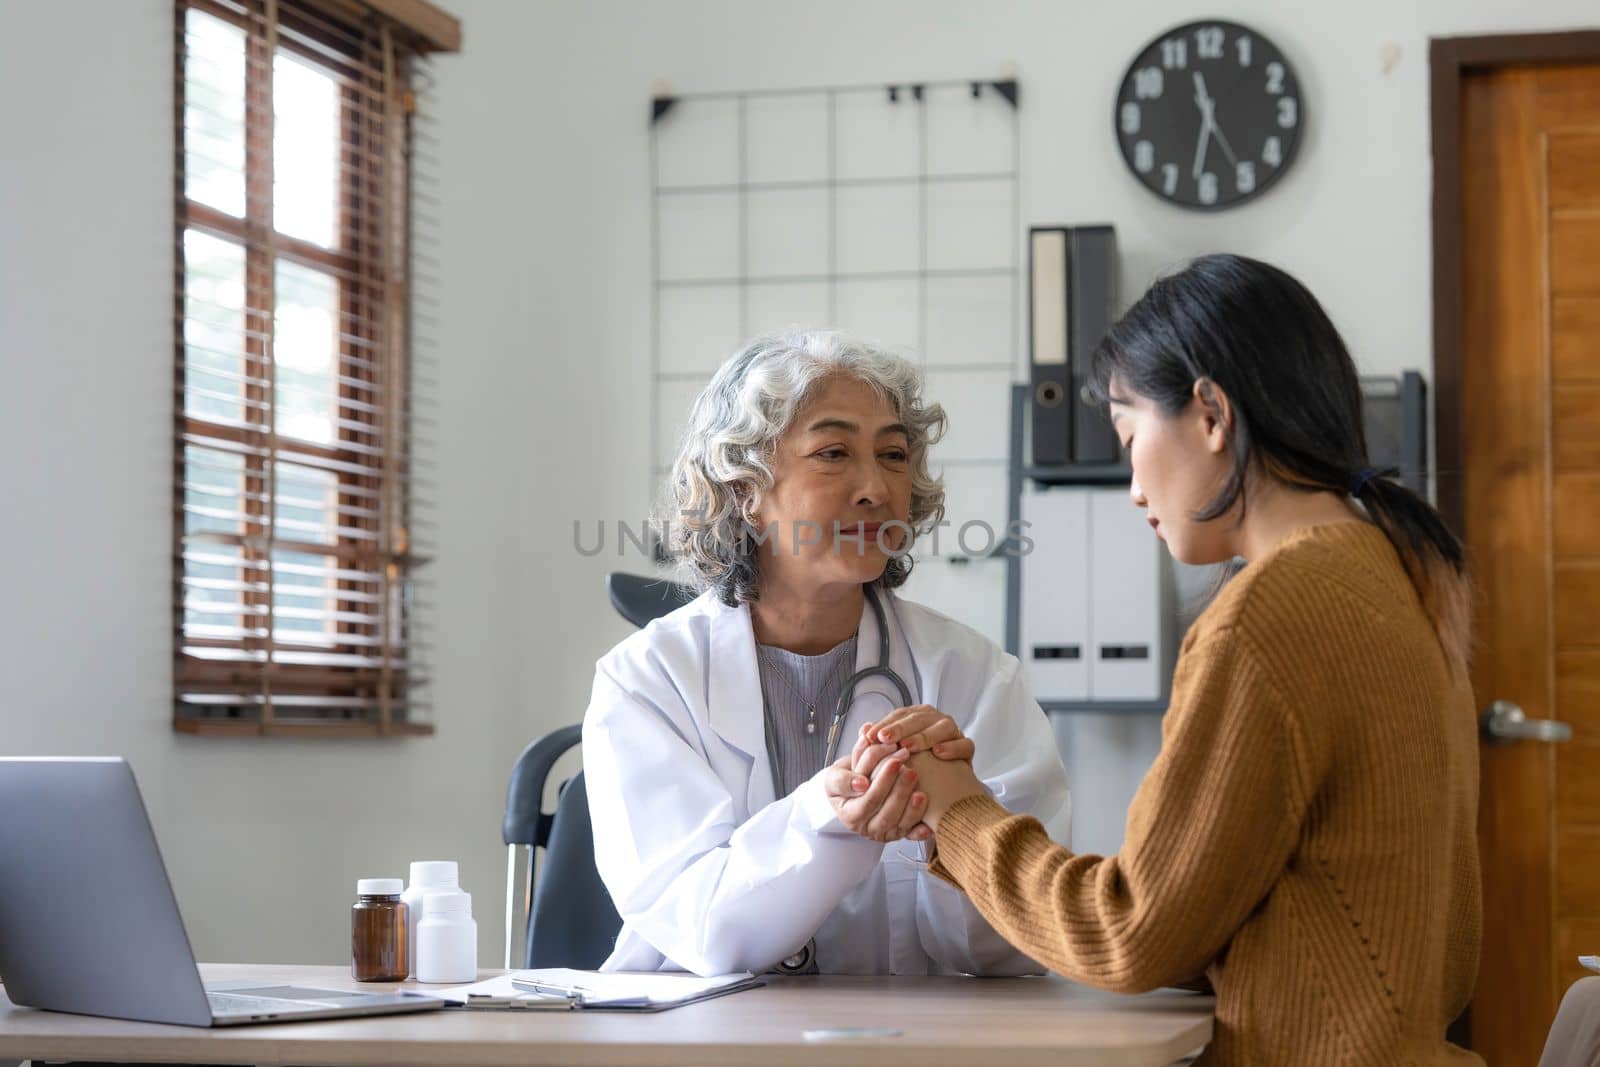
(1081,474)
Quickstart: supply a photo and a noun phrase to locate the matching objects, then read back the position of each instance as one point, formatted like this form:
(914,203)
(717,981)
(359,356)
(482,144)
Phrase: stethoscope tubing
(882,670)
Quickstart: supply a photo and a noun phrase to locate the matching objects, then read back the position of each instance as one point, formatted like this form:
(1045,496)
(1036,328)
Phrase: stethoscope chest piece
(801,961)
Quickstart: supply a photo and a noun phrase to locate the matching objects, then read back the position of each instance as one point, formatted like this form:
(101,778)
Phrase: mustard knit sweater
(1306,838)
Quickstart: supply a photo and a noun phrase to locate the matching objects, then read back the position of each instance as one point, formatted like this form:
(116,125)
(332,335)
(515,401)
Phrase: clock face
(1209,115)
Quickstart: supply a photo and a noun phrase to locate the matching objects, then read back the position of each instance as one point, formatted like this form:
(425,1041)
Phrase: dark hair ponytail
(1433,556)
(1296,400)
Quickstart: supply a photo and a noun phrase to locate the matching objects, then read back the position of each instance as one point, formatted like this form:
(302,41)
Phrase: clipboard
(630,992)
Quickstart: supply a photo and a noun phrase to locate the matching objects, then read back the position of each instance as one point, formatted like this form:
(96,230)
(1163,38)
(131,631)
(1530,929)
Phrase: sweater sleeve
(1208,834)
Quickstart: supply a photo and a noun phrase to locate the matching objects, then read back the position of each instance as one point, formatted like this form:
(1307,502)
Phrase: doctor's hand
(875,796)
(922,728)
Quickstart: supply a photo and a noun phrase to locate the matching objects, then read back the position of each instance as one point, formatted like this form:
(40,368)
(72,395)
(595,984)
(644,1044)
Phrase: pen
(570,992)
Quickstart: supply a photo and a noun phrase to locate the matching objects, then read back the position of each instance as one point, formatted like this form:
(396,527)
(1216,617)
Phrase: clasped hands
(903,774)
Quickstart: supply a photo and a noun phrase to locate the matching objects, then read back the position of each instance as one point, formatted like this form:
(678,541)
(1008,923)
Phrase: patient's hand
(921,728)
(874,793)
(944,782)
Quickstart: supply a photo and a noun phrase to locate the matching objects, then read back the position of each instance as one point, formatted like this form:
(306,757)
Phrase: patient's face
(845,462)
(1180,463)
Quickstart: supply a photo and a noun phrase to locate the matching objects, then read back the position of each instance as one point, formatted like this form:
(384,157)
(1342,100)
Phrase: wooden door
(1530,439)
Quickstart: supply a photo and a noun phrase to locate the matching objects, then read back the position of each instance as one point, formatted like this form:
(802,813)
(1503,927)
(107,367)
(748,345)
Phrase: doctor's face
(844,464)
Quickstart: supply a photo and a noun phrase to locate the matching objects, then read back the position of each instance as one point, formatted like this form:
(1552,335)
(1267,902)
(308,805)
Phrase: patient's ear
(1214,411)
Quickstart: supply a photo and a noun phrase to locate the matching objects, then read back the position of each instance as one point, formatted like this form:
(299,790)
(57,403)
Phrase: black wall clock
(1209,115)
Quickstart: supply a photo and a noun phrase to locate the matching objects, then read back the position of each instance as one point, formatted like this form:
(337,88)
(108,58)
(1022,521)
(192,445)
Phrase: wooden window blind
(296,500)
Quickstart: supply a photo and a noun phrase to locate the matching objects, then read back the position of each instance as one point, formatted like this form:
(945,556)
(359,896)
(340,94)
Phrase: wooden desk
(992,1022)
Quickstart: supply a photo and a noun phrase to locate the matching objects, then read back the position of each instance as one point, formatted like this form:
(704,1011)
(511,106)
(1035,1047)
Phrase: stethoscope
(801,961)
(882,670)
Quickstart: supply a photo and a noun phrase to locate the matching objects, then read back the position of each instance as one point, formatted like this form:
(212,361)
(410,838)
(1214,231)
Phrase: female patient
(1306,836)
(800,480)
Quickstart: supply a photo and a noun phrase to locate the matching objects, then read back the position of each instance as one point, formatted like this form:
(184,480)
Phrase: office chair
(571,920)
(639,599)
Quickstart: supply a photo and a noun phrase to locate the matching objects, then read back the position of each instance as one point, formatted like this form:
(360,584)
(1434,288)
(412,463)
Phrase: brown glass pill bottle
(378,932)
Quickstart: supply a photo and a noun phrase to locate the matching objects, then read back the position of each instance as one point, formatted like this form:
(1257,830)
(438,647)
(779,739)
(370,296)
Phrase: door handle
(1503,722)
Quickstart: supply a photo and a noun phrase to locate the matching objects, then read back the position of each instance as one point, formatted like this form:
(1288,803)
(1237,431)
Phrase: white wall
(541,365)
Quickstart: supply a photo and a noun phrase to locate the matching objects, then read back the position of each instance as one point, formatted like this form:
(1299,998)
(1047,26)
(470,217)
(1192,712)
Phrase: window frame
(370,375)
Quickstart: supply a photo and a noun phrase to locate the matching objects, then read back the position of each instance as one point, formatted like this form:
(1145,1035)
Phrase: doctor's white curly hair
(724,458)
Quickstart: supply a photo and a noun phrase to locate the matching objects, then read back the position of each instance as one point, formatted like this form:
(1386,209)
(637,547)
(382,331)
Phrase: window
(295,500)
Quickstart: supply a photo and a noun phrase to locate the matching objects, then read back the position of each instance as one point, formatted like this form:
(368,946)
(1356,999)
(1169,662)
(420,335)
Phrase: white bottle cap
(378,887)
(447,902)
(435,874)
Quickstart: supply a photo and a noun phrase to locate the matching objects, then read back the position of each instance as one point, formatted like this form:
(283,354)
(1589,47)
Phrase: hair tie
(1360,481)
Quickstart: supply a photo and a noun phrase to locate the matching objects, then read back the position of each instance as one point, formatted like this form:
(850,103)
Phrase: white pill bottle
(426,876)
(447,938)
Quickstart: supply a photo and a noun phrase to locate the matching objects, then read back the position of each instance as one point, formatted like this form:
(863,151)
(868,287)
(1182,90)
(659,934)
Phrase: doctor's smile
(866,531)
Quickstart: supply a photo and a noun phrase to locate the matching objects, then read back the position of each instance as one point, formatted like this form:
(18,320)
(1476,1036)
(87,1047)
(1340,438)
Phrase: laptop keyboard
(236,1004)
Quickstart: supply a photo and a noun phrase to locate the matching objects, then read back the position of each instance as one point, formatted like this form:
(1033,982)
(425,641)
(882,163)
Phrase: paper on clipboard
(630,990)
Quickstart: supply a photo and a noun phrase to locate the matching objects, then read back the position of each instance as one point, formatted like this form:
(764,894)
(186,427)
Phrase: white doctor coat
(713,873)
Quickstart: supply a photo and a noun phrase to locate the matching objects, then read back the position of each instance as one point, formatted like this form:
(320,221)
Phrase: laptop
(88,922)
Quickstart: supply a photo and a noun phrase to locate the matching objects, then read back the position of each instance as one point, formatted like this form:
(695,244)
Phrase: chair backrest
(571,921)
(641,600)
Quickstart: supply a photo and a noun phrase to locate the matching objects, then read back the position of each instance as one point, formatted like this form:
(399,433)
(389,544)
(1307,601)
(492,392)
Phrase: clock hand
(1200,150)
(1208,112)
(1221,140)
(1202,102)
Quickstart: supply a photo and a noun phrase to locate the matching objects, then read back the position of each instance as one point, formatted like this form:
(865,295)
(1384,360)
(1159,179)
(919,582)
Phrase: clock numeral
(1148,83)
(1130,118)
(1175,53)
(1208,188)
(1243,45)
(1244,178)
(1274,77)
(1169,178)
(1208,42)
(1144,157)
(1288,112)
(1272,152)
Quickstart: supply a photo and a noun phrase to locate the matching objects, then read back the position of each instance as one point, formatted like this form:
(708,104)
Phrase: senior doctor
(729,837)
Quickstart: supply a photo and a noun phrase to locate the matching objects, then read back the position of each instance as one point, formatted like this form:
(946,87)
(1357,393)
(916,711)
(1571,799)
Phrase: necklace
(847,657)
